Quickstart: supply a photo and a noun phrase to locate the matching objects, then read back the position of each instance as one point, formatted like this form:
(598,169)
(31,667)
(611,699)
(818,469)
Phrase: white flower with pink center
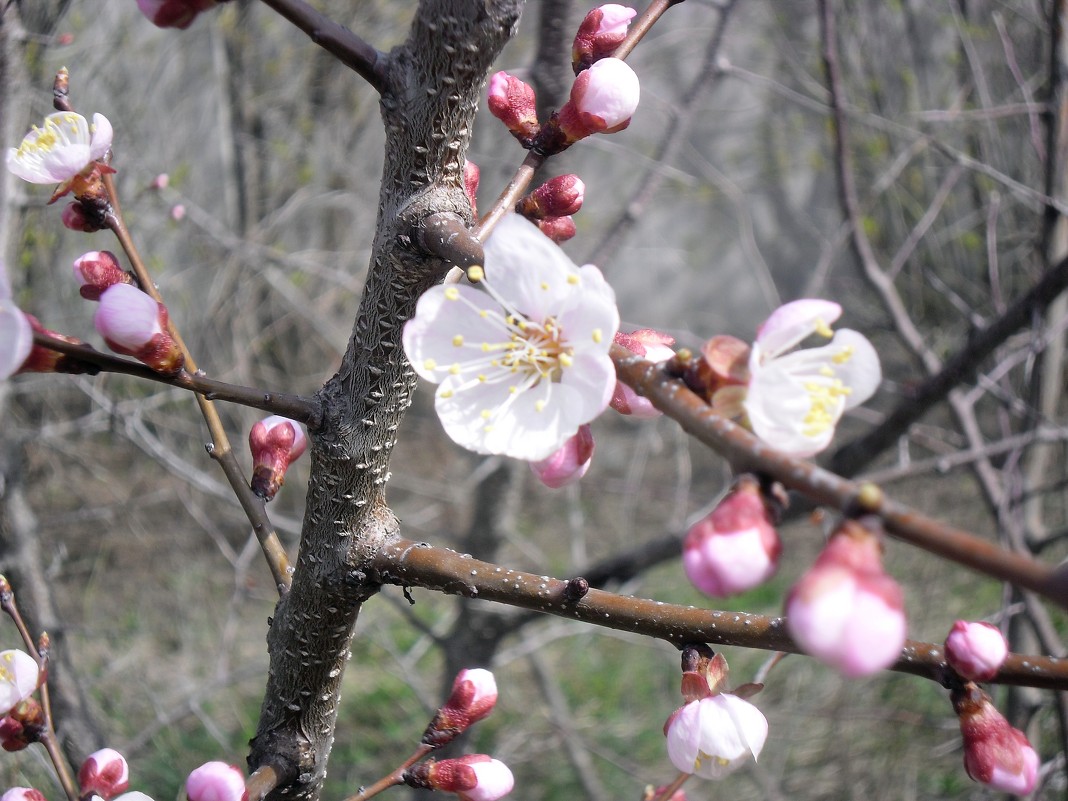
(714,736)
(522,361)
(62,148)
(795,398)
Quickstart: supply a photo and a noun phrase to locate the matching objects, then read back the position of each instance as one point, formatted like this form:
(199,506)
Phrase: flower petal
(528,269)
(16,338)
(101,137)
(793,322)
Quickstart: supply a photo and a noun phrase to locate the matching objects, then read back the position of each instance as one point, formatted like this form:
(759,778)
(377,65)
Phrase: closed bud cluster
(173,13)
(513,102)
(995,753)
(104,773)
(652,345)
(216,781)
(275,442)
(98,270)
(475,777)
(601,32)
(846,611)
(134,324)
(473,696)
(603,100)
(558,229)
(976,650)
(568,464)
(736,547)
(558,197)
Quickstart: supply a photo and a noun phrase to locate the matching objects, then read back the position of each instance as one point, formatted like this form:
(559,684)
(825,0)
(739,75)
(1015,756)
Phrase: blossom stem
(48,740)
(219,449)
(394,777)
(746,452)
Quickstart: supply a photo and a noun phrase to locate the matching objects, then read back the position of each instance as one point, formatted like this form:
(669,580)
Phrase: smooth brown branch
(417,564)
(336,39)
(747,453)
(295,407)
(393,778)
(219,449)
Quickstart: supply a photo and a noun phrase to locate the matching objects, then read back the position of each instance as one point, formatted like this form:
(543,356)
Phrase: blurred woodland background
(722,199)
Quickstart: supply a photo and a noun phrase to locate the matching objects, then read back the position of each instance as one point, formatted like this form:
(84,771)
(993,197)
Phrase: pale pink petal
(127,316)
(792,322)
(101,137)
(16,338)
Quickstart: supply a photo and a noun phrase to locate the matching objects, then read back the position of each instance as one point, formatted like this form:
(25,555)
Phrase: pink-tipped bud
(512,102)
(161,181)
(473,696)
(736,547)
(23,794)
(177,212)
(471,174)
(557,197)
(995,753)
(46,360)
(75,218)
(173,13)
(653,346)
(97,270)
(603,100)
(846,611)
(601,32)
(216,781)
(134,324)
(558,229)
(976,650)
(568,464)
(104,773)
(275,442)
(65,39)
(475,777)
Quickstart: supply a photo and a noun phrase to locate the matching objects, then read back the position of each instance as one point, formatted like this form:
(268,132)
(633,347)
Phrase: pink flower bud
(471,174)
(601,32)
(65,39)
(473,696)
(512,102)
(173,13)
(557,197)
(845,610)
(75,218)
(568,464)
(714,736)
(97,270)
(652,345)
(104,773)
(45,360)
(558,229)
(736,547)
(19,677)
(475,777)
(603,99)
(23,794)
(161,181)
(134,324)
(976,650)
(216,781)
(177,212)
(13,735)
(995,753)
(275,442)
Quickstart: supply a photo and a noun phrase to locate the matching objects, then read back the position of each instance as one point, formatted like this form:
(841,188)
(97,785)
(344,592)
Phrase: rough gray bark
(429,99)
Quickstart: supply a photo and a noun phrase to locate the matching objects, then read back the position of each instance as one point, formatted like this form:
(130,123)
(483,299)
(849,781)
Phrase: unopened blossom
(558,197)
(512,101)
(976,650)
(42,359)
(846,611)
(76,217)
(473,696)
(558,229)
(736,547)
(603,100)
(715,735)
(652,345)
(471,176)
(173,13)
(23,794)
(134,324)
(104,773)
(995,753)
(15,735)
(178,212)
(475,777)
(275,442)
(161,181)
(216,781)
(98,270)
(524,363)
(601,32)
(19,676)
(65,150)
(795,398)
(569,463)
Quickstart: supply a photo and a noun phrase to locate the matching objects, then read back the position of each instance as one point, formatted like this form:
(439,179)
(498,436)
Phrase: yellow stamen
(823,329)
(598,335)
(475,274)
(458,340)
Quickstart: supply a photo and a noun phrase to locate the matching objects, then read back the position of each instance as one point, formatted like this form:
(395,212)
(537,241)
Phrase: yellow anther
(481,377)
(458,340)
(598,335)
(823,329)
(545,286)
(452,293)
(566,360)
(573,279)
(454,370)
(475,274)
(844,355)
(430,364)
(539,406)
(486,414)
(445,394)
